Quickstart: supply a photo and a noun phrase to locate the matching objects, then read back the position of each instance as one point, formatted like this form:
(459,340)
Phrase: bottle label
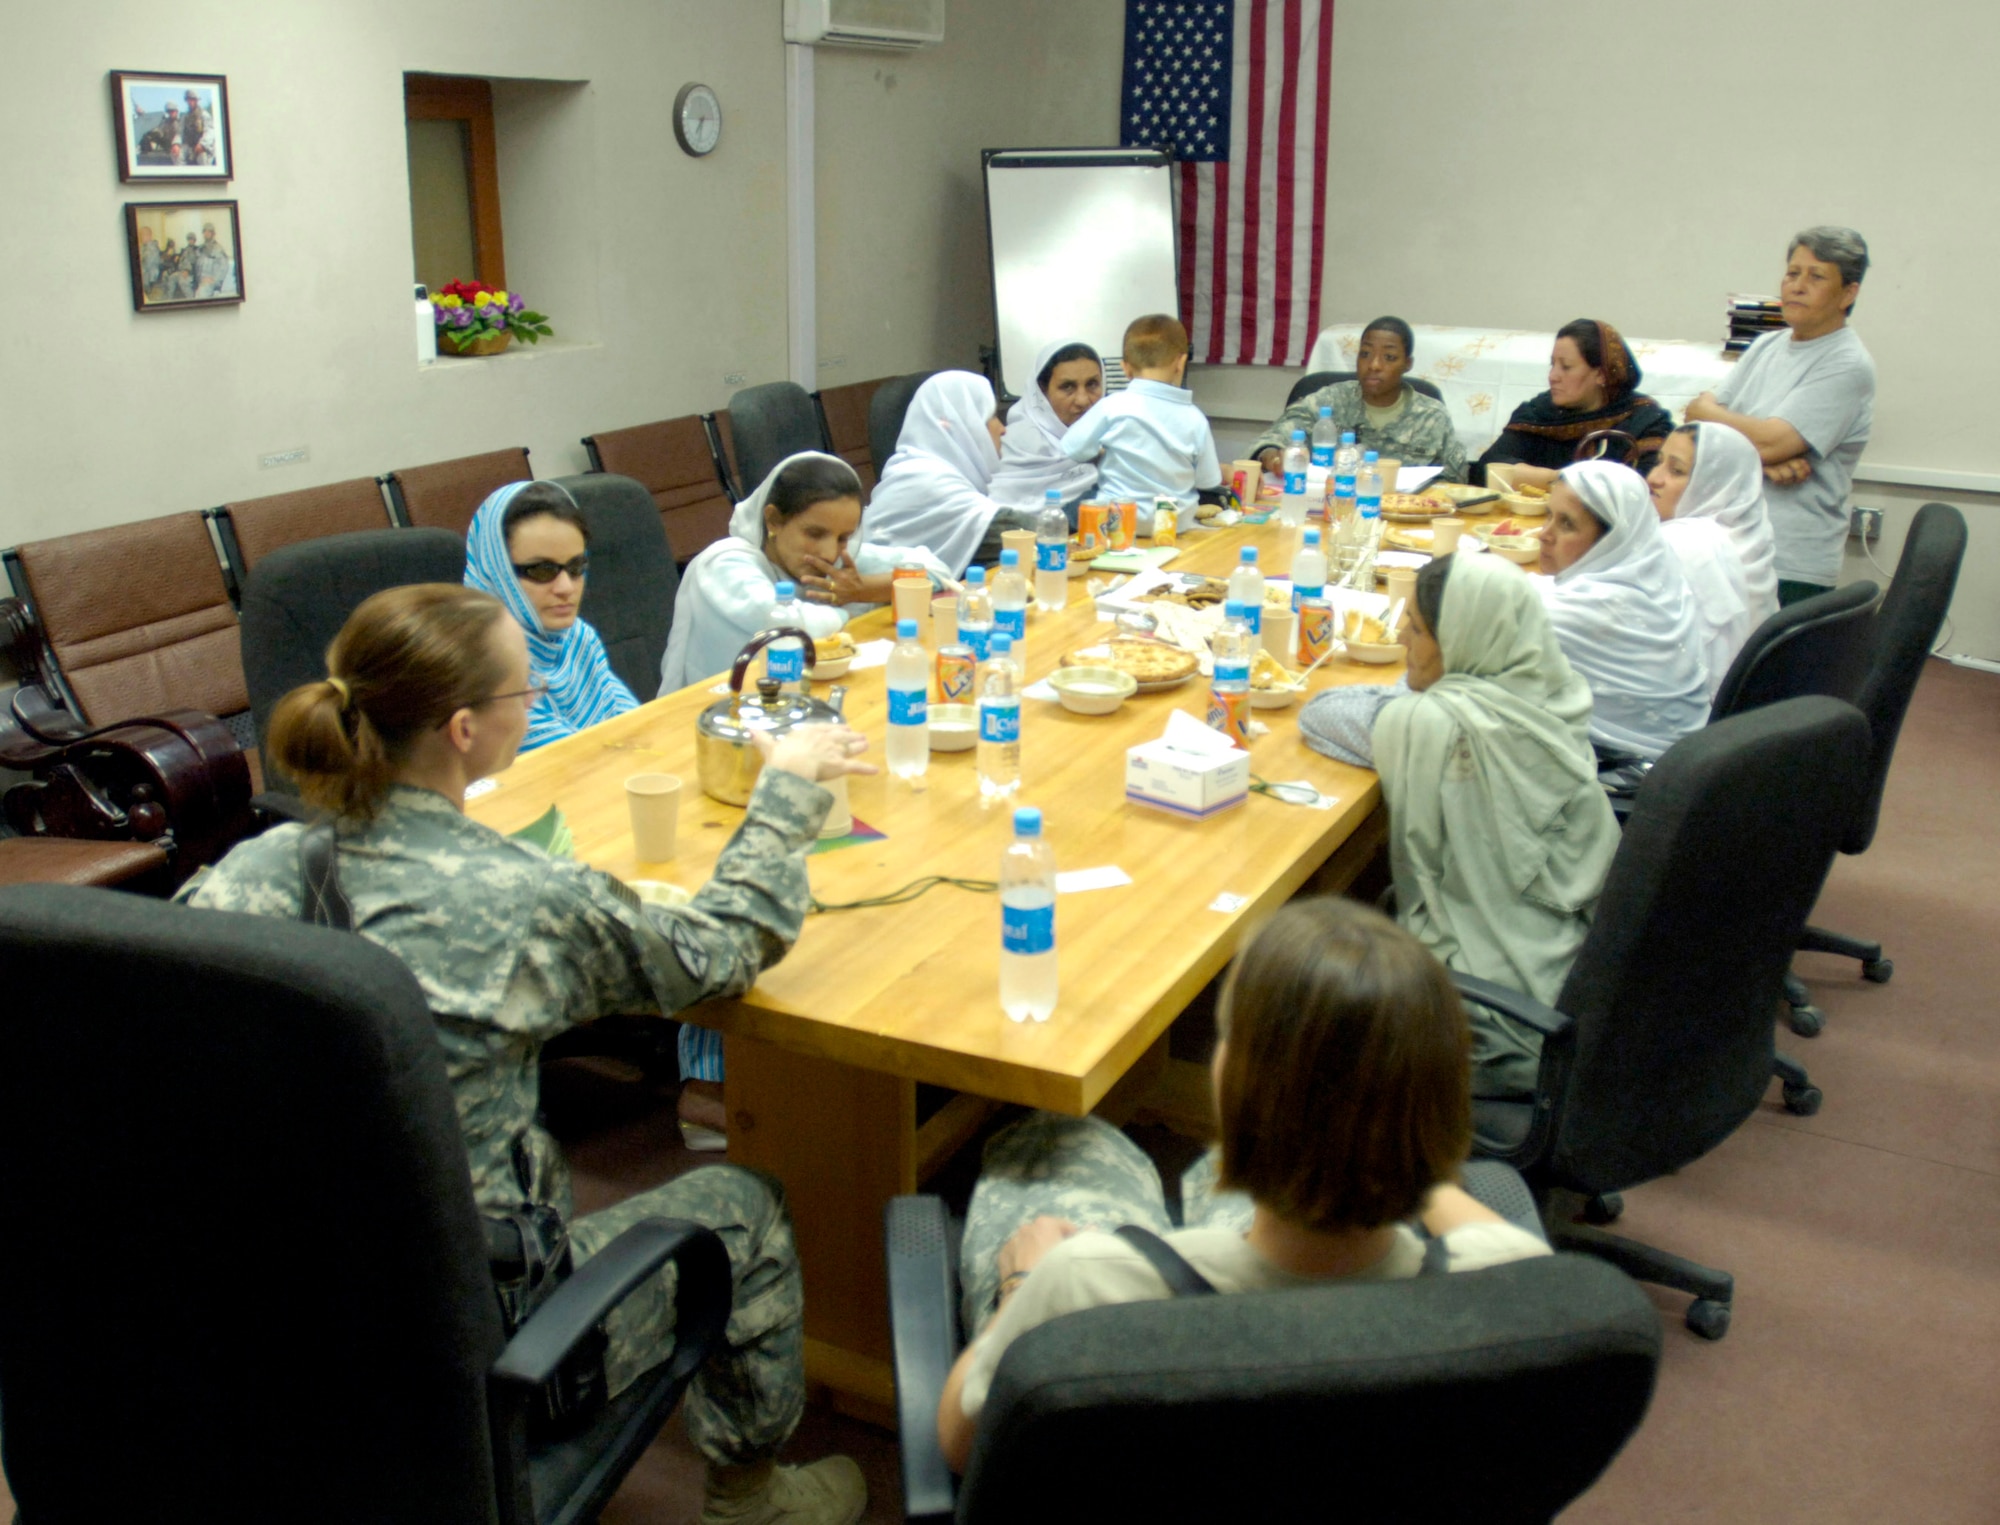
(1253,618)
(1027,929)
(1295,484)
(786,663)
(1237,670)
(1052,555)
(978,637)
(1229,713)
(1000,721)
(1303,591)
(1323,456)
(908,706)
(1013,621)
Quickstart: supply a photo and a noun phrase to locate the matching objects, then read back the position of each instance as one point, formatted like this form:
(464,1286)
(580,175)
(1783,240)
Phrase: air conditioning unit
(865,23)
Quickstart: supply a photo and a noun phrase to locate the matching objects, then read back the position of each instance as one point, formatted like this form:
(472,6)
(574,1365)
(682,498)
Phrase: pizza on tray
(1147,662)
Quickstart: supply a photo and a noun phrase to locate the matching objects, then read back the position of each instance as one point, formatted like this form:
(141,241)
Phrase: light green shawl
(1499,836)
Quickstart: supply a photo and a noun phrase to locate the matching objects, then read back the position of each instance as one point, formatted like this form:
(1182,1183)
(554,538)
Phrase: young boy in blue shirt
(1155,442)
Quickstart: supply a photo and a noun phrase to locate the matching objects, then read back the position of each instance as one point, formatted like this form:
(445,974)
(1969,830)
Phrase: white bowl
(1092,690)
(1522,550)
(1376,652)
(659,892)
(827,671)
(1524,505)
(954,727)
(1273,698)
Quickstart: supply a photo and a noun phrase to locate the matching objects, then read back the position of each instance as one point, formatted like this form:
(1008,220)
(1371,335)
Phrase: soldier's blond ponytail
(404,663)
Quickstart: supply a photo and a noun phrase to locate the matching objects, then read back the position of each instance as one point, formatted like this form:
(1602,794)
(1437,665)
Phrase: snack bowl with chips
(1272,685)
(954,727)
(1366,638)
(832,655)
(1092,690)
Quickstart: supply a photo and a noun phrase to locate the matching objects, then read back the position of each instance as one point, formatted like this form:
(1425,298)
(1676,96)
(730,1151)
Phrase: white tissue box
(1191,784)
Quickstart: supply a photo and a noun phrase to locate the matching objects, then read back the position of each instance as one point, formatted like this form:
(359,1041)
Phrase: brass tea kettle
(726,759)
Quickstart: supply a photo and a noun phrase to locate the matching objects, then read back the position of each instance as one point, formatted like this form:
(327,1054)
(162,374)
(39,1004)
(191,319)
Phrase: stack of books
(1750,318)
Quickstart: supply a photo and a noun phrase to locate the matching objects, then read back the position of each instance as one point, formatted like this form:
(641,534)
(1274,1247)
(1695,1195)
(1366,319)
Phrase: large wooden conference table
(825,1054)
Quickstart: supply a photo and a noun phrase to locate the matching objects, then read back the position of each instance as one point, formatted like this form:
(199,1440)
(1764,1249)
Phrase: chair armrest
(601,1283)
(1545,1020)
(923,1327)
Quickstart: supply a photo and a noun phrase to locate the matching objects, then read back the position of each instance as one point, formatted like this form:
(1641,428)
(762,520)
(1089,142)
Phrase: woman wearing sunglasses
(529,547)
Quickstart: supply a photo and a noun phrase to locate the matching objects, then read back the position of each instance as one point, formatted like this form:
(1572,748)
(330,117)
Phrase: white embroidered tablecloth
(1486,373)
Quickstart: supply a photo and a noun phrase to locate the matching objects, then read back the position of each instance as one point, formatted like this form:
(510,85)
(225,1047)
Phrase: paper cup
(944,617)
(1245,477)
(913,598)
(1281,634)
(1444,535)
(840,817)
(655,802)
(1023,543)
(1402,583)
(1389,466)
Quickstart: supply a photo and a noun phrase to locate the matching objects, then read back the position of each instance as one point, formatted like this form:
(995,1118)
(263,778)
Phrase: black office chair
(1312,381)
(247,1280)
(1906,628)
(770,422)
(1263,1406)
(296,599)
(1660,1044)
(885,414)
(629,597)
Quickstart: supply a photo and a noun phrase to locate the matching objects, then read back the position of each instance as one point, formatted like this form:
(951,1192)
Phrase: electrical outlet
(298,455)
(1865,522)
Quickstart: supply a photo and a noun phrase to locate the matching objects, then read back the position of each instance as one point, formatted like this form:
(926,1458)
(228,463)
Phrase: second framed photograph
(184,254)
(171,126)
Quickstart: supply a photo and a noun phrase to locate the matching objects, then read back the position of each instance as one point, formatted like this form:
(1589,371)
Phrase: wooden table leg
(843,1142)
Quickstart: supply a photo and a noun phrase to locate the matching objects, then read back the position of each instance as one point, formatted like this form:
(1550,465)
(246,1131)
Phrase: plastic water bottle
(1052,554)
(999,756)
(1010,597)
(1346,464)
(785,660)
(1246,587)
(1229,687)
(1292,502)
(1360,540)
(975,613)
(1325,439)
(1309,570)
(1028,921)
(909,678)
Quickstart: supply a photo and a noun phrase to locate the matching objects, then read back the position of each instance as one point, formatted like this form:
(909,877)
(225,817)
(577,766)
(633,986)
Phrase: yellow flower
(500,297)
(448,302)
(484,299)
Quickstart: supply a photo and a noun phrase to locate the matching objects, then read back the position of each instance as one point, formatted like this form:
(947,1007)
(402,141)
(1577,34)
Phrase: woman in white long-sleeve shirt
(796,527)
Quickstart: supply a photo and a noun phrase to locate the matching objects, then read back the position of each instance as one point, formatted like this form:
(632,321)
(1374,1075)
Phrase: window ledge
(513,354)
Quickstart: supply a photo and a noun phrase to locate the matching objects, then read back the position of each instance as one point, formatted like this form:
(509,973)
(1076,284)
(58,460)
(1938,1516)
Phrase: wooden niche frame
(456,98)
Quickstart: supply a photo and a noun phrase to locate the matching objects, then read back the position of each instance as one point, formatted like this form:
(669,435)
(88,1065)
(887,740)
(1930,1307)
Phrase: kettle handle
(741,667)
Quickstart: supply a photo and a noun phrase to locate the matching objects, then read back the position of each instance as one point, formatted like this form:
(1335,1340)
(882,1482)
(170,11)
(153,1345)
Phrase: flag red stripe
(1284,229)
(1190,194)
(1321,113)
(1245,276)
(1218,285)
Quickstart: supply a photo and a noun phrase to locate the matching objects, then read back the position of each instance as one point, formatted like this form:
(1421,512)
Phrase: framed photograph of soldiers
(171,126)
(184,254)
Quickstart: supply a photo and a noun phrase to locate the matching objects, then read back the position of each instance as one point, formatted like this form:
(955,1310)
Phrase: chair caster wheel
(1603,1209)
(1806,1021)
(1708,1318)
(1877,970)
(1803,1101)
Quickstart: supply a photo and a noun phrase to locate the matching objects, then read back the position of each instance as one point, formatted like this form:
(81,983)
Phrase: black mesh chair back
(629,596)
(1259,1406)
(1312,381)
(1906,627)
(297,598)
(771,422)
(251,1283)
(1674,991)
(885,414)
(1819,645)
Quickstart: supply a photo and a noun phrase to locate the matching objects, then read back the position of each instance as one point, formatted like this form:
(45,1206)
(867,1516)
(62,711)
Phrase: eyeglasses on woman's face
(546,571)
(534,695)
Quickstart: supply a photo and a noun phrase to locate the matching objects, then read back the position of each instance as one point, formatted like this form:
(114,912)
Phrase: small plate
(826,672)
(954,727)
(1092,690)
(1273,698)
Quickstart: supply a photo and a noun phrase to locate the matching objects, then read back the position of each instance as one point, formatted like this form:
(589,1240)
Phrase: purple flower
(514,302)
(498,320)
(462,318)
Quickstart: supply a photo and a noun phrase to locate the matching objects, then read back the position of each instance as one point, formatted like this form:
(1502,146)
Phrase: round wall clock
(697,120)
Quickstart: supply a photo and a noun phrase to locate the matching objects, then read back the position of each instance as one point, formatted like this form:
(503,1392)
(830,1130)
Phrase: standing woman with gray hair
(1806,399)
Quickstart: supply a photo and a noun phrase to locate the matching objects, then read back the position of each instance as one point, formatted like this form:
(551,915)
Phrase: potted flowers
(475,320)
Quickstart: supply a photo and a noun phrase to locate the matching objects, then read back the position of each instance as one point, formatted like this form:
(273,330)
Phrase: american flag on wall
(1236,90)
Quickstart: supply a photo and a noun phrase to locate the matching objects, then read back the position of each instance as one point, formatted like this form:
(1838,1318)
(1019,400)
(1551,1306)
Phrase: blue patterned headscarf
(582,687)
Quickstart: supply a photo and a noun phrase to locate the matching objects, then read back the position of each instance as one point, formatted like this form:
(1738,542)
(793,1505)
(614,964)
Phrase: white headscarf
(1500,837)
(933,492)
(1031,456)
(1626,619)
(1727,486)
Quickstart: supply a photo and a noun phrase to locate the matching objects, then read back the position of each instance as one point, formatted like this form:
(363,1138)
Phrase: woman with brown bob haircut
(427,691)
(1343,1110)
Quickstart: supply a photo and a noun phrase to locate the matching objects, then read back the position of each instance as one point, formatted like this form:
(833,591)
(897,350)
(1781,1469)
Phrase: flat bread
(1145,661)
(1411,504)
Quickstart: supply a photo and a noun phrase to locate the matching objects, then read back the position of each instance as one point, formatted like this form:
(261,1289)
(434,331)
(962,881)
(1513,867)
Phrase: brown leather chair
(672,461)
(843,419)
(71,860)
(253,528)
(722,445)
(447,494)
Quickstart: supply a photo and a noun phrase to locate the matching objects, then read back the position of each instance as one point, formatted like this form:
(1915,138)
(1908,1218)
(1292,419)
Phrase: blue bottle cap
(1249,554)
(1000,643)
(1371,455)
(787,590)
(1232,609)
(1010,558)
(1326,410)
(1347,437)
(1298,434)
(1027,822)
(1312,537)
(1053,497)
(906,630)
(975,574)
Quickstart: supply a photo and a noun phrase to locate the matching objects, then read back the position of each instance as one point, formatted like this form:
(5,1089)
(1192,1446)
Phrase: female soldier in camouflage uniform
(429,691)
